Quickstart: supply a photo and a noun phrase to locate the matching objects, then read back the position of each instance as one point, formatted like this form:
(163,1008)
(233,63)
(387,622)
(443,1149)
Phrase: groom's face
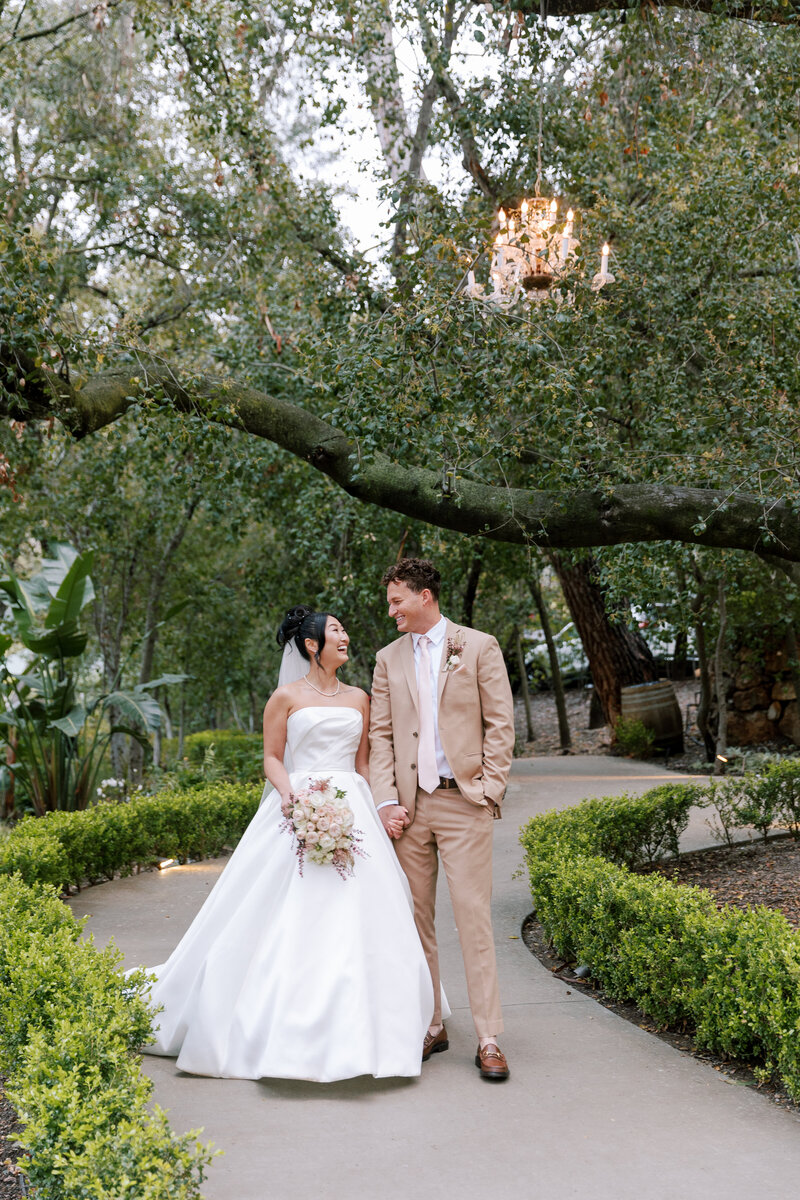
(412,612)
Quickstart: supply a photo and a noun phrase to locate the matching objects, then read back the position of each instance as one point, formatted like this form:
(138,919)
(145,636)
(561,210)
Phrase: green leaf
(75,591)
(67,641)
(143,709)
(164,680)
(137,734)
(72,723)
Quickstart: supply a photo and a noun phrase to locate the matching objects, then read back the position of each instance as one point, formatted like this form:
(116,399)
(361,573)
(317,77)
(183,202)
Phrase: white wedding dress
(301,977)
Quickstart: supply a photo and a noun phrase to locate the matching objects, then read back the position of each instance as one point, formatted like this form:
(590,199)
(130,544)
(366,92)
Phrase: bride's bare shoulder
(355,693)
(284,696)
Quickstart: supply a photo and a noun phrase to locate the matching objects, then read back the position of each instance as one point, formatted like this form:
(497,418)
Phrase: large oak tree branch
(555,519)
(750,10)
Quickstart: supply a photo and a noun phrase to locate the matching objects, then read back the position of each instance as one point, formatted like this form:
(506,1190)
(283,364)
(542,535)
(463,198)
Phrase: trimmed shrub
(217,754)
(634,738)
(732,976)
(115,839)
(71,1022)
(71,1026)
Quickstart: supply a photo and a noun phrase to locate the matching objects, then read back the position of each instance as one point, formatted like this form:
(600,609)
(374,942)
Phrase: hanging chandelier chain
(543,16)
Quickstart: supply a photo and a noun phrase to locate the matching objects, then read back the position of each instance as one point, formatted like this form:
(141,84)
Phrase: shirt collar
(436,634)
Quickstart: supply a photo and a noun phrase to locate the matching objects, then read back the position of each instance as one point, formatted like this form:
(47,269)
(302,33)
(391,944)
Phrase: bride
(316,975)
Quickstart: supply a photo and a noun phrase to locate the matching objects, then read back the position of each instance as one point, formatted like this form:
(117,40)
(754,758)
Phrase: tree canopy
(163,249)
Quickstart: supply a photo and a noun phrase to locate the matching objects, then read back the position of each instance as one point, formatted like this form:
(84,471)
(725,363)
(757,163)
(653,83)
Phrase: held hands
(395,819)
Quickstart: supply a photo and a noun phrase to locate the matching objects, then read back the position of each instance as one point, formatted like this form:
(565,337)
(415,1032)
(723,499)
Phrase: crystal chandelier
(533,255)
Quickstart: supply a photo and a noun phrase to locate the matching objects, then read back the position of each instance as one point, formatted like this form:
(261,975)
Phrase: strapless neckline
(325,708)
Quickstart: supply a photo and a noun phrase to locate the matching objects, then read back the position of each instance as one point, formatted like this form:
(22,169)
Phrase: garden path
(594,1107)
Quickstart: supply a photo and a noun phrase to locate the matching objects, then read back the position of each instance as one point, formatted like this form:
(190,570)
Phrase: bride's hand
(395,819)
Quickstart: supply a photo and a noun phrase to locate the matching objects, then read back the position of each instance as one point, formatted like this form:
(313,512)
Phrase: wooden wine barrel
(656,706)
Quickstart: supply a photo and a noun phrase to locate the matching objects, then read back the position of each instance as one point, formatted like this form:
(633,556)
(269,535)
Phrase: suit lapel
(407,658)
(451,632)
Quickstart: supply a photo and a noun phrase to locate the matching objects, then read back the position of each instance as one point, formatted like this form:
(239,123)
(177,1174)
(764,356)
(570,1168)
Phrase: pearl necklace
(316,689)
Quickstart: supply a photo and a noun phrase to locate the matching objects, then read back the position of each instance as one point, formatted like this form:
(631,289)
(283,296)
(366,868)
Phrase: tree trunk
(523,684)
(704,707)
(7,808)
(618,656)
(167,710)
(471,590)
(157,741)
(151,624)
(182,724)
(721,750)
(564,736)
(680,659)
(235,711)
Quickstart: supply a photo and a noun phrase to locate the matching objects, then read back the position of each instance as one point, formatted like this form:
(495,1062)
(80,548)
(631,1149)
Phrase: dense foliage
(730,976)
(72,1025)
(167,242)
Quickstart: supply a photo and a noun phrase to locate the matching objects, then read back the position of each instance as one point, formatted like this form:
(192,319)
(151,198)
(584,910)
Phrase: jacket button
(413,766)
(415,734)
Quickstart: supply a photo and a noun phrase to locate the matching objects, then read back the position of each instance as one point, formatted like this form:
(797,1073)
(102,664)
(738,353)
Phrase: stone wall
(762,703)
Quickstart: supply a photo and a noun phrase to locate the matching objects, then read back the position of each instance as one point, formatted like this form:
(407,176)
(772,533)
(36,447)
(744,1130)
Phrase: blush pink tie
(427,770)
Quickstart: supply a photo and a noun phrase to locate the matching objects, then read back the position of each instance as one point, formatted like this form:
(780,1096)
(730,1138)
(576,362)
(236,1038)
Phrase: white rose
(326,842)
(312,837)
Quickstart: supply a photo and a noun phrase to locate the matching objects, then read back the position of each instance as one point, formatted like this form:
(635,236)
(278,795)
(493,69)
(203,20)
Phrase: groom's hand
(395,819)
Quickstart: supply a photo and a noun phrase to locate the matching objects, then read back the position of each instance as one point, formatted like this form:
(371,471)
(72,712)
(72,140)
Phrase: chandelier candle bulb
(523,212)
(501,217)
(512,225)
(604,259)
(565,242)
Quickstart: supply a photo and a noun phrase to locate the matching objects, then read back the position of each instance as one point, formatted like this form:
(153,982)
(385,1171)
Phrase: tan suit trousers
(447,826)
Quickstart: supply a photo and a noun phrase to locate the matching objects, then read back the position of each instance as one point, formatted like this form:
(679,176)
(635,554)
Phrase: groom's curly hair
(417,573)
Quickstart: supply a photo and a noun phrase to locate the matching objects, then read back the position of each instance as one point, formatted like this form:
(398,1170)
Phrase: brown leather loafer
(492,1062)
(434,1043)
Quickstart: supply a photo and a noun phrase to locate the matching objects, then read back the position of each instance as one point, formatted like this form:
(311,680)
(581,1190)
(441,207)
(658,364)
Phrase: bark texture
(618,656)
(771,11)
(553,519)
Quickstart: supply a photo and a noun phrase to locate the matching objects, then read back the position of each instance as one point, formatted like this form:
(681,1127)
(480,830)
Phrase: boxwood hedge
(71,1022)
(733,977)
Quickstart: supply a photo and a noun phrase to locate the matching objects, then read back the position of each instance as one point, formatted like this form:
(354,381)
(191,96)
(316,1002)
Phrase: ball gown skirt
(301,977)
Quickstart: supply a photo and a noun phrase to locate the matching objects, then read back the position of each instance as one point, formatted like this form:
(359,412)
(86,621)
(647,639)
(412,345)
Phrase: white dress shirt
(435,650)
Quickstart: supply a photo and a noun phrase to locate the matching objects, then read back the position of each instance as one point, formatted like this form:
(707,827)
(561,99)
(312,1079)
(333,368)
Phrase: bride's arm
(275,715)
(362,753)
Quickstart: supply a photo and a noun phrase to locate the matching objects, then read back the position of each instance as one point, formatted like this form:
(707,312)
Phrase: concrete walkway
(595,1107)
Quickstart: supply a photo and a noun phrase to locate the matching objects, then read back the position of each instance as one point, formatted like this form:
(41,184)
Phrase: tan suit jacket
(476,720)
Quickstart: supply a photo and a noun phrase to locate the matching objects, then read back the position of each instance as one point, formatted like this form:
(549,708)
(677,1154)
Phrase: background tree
(160,257)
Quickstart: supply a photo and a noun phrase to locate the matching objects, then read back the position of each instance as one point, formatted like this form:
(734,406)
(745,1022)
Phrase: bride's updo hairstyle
(302,622)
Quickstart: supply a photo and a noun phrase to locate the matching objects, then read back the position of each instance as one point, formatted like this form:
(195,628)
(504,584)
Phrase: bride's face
(334,652)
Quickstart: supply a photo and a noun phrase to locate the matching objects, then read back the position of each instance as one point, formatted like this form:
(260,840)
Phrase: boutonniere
(455,648)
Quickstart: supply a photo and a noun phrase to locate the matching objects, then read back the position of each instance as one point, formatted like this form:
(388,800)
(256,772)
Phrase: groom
(441,743)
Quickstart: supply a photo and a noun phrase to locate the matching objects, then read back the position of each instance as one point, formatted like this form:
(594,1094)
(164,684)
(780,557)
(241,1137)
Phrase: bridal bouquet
(321,822)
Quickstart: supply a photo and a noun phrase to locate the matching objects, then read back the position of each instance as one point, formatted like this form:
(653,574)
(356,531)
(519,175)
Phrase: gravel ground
(747,875)
(11,1184)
